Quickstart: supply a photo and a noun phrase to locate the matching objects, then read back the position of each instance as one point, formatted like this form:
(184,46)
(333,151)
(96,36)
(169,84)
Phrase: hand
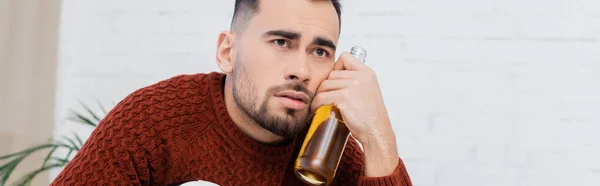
(353,88)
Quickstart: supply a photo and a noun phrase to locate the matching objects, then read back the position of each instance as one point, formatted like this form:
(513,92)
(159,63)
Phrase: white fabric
(199,183)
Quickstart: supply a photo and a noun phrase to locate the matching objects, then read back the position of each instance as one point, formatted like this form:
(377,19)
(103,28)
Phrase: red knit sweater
(178,130)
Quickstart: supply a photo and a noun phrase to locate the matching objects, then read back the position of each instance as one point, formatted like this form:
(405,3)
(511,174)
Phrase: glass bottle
(325,141)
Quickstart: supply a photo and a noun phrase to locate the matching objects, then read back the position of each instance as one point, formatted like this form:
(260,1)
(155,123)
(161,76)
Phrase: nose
(298,70)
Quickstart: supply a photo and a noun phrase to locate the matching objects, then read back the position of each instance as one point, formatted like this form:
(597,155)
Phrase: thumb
(348,62)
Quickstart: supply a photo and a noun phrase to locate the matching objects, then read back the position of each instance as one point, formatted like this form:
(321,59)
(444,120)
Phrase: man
(244,126)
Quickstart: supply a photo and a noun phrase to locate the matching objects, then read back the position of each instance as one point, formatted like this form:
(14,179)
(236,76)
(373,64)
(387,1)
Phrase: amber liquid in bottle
(324,143)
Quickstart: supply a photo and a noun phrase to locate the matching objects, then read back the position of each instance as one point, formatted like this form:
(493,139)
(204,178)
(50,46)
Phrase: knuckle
(347,56)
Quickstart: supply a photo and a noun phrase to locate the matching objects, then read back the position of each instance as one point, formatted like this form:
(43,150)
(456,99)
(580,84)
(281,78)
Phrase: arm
(354,89)
(351,170)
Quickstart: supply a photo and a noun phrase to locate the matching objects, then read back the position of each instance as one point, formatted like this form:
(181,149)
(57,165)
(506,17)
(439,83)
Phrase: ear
(225,51)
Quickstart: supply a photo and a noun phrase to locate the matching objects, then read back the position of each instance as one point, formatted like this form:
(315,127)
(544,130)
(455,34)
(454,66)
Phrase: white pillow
(199,183)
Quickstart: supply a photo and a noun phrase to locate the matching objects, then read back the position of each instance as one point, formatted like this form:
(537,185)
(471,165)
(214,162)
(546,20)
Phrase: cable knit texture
(178,130)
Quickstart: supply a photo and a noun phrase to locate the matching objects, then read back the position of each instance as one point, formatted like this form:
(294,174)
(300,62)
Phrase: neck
(245,122)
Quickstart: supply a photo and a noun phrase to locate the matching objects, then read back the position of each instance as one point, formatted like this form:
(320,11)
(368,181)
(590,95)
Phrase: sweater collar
(234,133)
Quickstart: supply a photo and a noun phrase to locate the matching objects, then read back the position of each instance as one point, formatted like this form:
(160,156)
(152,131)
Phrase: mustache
(299,87)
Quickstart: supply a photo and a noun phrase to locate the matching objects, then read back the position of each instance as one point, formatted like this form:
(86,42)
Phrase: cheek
(261,73)
(265,58)
(269,64)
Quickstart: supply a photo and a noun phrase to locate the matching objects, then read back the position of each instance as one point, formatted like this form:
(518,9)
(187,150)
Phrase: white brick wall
(480,92)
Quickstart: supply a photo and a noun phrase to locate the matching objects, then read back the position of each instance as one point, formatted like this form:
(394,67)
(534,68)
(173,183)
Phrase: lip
(294,95)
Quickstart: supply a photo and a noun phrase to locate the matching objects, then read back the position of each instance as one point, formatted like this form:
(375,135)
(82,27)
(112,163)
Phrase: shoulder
(171,93)
(162,106)
(139,131)
(180,85)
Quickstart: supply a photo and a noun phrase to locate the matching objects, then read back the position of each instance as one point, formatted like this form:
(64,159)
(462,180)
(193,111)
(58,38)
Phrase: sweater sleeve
(398,177)
(351,170)
(119,151)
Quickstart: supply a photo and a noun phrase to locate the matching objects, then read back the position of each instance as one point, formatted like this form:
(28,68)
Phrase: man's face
(282,55)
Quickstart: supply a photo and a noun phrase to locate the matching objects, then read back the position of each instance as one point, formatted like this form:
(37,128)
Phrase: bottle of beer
(325,141)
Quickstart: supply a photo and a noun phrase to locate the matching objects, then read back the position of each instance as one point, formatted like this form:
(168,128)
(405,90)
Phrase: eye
(320,52)
(281,42)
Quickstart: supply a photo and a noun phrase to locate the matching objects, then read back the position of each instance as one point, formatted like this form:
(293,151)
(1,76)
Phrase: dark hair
(245,9)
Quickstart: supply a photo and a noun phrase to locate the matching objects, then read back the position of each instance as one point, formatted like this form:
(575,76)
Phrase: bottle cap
(359,52)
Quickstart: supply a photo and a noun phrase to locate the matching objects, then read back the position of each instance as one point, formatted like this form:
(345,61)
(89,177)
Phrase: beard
(287,123)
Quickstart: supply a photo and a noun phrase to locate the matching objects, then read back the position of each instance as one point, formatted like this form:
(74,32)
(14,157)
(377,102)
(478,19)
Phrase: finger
(324,98)
(348,62)
(339,64)
(334,84)
(342,74)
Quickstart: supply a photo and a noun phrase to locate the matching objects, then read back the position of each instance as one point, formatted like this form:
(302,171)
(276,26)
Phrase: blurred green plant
(70,144)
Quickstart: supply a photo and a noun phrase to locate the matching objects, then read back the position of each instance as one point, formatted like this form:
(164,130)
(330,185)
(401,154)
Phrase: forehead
(309,17)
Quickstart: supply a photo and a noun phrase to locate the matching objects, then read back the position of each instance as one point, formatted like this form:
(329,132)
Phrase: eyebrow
(291,35)
(283,33)
(324,42)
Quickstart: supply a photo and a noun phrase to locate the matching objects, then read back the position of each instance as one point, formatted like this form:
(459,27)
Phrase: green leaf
(7,170)
(61,144)
(49,155)
(81,119)
(72,142)
(102,108)
(27,151)
(90,112)
(78,139)
(60,160)
(69,154)
(4,167)
(13,154)
(26,180)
